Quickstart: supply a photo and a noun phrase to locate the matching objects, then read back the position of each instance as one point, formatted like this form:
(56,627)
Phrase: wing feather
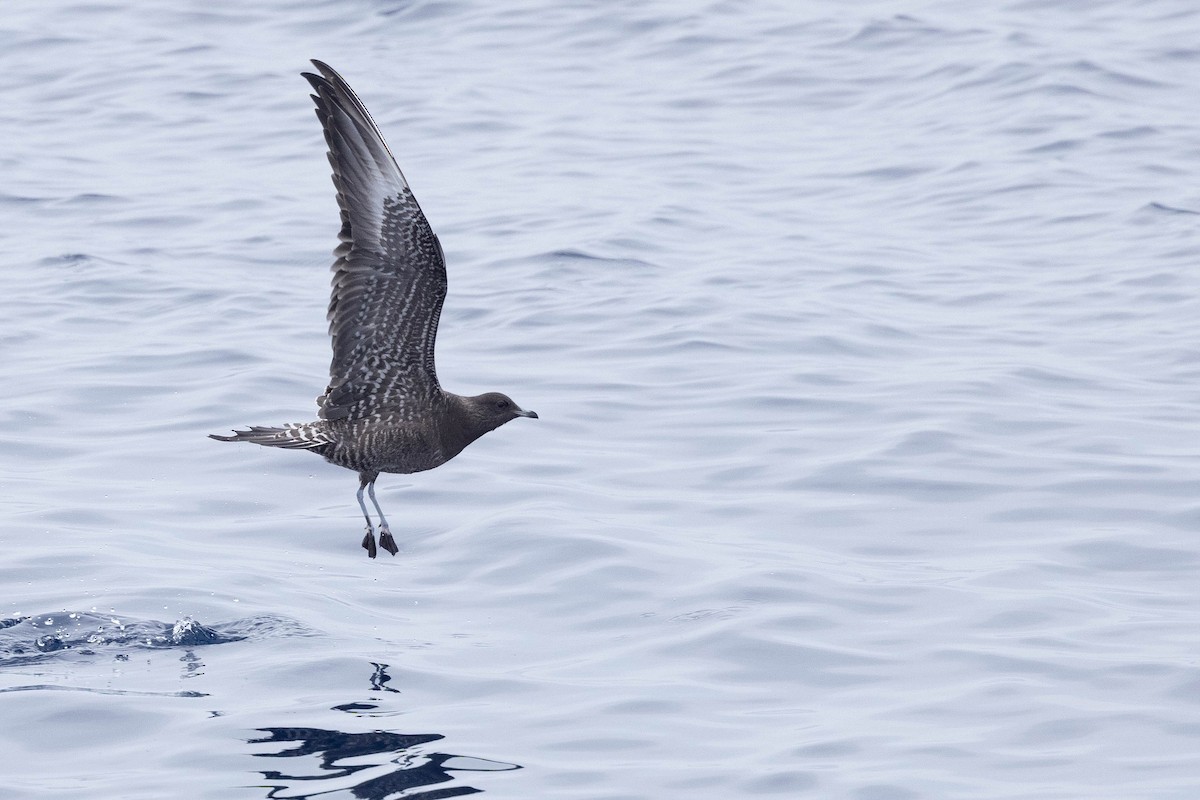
(389,273)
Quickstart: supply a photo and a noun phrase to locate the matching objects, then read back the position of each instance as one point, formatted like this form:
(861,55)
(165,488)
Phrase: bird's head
(493,409)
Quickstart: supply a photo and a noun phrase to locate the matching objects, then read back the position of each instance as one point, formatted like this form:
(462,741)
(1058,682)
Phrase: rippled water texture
(864,340)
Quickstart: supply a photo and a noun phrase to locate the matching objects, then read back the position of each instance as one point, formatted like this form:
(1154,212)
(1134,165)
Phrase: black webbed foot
(369,544)
(387,542)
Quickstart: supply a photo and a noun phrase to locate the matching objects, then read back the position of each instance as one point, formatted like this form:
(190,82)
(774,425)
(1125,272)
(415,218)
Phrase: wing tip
(329,79)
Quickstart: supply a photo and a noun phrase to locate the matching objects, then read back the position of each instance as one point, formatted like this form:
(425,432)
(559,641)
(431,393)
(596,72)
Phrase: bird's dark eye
(501,405)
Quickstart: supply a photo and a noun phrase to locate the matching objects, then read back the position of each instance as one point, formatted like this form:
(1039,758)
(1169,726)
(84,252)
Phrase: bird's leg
(369,539)
(385,533)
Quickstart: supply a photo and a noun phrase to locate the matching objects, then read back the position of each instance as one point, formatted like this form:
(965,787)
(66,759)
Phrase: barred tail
(293,436)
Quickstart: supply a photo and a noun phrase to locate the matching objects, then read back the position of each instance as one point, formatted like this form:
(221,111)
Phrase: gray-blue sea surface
(865,339)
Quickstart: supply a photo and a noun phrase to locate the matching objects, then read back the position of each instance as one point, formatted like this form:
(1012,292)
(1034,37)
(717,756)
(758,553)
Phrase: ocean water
(865,339)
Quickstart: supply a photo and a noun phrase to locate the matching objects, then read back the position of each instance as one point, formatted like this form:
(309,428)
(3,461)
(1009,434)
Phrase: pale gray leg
(385,533)
(368,540)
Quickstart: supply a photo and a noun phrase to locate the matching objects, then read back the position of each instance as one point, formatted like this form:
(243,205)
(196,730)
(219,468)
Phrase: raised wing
(389,276)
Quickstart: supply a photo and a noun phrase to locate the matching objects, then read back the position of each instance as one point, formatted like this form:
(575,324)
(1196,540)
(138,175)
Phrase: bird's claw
(369,543)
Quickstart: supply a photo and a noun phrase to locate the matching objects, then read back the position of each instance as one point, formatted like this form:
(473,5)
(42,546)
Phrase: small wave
(42,636)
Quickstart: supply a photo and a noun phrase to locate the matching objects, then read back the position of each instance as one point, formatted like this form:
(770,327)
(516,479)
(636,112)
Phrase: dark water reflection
(373,765)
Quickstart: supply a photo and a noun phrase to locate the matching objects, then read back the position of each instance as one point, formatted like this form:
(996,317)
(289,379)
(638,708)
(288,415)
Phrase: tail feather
(293,436)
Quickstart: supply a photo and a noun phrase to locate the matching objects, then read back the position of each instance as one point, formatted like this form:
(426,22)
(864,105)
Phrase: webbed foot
(369,543)
(387,542)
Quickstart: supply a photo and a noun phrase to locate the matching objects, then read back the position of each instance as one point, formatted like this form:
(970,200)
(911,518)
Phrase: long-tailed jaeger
(384,410)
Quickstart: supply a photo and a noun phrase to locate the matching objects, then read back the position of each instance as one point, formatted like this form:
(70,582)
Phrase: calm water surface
(864,339)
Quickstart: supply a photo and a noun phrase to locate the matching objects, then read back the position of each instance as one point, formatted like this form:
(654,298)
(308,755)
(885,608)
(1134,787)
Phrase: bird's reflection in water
(377,765)
(380,679)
